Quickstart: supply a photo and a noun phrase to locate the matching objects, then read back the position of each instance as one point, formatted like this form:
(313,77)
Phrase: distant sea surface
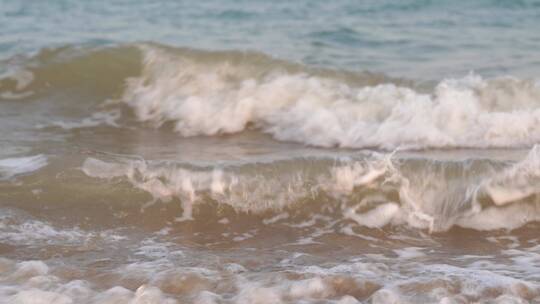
(269,152)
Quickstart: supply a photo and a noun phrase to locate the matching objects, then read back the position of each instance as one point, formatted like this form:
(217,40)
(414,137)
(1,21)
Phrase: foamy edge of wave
(209,98)
(11,167)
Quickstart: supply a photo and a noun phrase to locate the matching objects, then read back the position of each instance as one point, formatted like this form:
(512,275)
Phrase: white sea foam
(31,282)
(19,229)
(379,216)
(373,278)
(10,167)
(410,252)
(517,182)
(203,98)
(508,190)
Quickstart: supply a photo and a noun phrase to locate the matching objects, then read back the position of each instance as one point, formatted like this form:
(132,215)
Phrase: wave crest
(209,98)
(211,93)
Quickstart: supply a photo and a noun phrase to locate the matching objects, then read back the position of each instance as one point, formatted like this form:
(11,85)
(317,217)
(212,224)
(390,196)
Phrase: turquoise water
(416,39)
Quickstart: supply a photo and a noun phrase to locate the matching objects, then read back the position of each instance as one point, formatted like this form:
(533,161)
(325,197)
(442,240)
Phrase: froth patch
(18,228)
(32,282)
(516,182)
(10,167)
(108,118)
(22,79)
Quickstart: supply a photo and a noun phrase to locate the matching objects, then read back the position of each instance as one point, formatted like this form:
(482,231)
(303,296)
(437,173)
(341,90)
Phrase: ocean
(258,152)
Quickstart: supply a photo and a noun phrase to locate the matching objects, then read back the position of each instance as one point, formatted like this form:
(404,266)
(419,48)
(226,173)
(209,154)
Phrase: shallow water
(299,152)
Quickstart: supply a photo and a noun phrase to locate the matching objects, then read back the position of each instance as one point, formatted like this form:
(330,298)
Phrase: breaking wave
(375,191)
(212,93)
(209,98)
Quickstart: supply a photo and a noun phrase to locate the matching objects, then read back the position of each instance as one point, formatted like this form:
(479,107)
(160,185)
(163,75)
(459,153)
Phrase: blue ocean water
(417,39)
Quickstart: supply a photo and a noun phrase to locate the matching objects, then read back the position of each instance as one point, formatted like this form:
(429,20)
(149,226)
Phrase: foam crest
(10,167)
(202,98)
(518,181)
(360,173)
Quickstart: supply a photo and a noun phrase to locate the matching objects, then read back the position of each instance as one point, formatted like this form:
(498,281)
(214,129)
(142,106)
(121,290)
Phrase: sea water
(269,152)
